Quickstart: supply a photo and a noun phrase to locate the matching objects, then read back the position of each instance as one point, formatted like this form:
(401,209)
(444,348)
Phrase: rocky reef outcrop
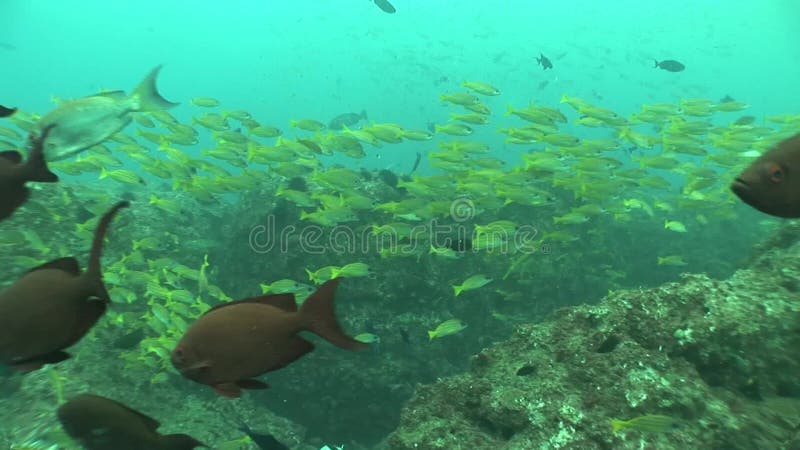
(721,357)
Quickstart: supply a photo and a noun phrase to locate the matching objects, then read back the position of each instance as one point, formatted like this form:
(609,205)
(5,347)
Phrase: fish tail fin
(656,61)
(431,335)
(147,96)
(93,269)
(617,425)
(457,290)
(180,442)
(37,164)
(318,316)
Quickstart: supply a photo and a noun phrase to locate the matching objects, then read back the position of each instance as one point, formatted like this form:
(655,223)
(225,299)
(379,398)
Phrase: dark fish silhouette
(102,424)
(744,120)
(235,342)
(14,174)
(6,112)
(670,65)
(263,441)
(346,120)
(53,306)
(385,6)
(544,61)
(771,184)
(416,163)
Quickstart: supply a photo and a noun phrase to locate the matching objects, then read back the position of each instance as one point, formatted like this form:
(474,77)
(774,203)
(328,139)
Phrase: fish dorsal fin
(284,302)
(12,156)
(149,422)
(68,264)
(116,95)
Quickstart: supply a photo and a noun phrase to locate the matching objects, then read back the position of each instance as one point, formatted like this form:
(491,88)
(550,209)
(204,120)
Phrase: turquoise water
(283,61)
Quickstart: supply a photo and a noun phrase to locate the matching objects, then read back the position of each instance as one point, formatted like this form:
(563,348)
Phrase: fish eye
(775,172)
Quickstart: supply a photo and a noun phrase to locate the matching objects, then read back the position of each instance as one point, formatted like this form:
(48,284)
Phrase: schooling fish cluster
(571,179)
(52,306)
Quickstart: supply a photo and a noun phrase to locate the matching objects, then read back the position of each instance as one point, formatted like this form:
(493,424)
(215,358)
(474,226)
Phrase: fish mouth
(742,190)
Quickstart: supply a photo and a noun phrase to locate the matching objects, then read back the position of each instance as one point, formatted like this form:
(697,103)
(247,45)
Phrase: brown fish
(14,174)
(98,423)
(235,342)
(52,307)
(772,182)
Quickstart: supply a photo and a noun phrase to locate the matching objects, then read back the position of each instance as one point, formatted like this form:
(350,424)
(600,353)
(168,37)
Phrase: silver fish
(86,122)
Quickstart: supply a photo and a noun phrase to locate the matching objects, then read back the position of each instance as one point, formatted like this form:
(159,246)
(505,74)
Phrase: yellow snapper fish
(446,328)
(89,121)
(654,423)
(472,283)
(674,225)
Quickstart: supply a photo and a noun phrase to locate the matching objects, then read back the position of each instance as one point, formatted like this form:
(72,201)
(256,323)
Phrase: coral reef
(719,356)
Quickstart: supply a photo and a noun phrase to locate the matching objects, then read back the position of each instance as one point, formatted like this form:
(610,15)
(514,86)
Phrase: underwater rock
(718,356)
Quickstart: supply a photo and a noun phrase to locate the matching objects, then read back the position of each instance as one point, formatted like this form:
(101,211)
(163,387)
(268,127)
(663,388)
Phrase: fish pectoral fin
(36,363)
(68,264)
(229,390)
(252,384)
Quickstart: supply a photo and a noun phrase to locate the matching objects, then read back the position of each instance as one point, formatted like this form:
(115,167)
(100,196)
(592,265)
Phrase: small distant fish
(671,260)
(89,121)
(670,65)
(544,61)
(205,102)
(385,6)
(263,441)
(674,225)
(346,120)
(481,87)
(98,423)
(14,174)
(368,338)
(655,423)
(416,163)
(6,112)
(404,336)
(235,342)
(472,283)
(744,121)
(543,84)
(771,183)
(446,328)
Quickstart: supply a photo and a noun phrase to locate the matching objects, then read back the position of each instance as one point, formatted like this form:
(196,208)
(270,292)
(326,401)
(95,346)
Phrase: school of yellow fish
(669,163)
